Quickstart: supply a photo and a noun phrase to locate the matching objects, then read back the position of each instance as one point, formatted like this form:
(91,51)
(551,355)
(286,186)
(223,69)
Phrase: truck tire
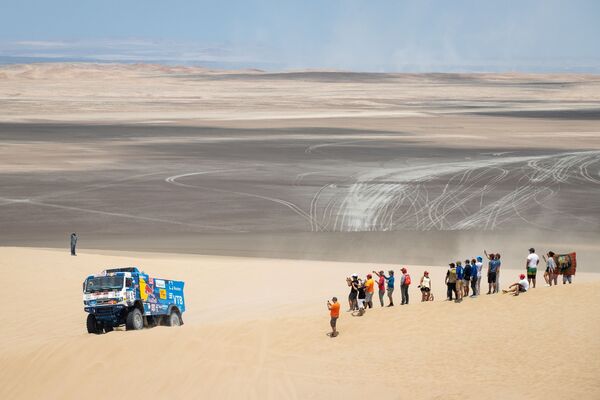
(173,319)
(108,328)
(134,320)
(92,325)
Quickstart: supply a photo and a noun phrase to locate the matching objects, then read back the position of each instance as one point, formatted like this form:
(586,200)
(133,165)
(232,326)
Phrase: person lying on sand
(518,287)
(334,313)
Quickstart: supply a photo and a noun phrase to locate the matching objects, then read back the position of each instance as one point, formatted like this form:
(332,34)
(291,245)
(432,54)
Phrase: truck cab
(126,296)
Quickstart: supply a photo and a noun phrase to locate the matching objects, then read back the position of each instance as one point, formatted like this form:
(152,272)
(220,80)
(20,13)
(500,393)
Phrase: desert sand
(256,329)
(263,191)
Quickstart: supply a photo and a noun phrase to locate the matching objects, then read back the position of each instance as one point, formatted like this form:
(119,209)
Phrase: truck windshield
(102,283)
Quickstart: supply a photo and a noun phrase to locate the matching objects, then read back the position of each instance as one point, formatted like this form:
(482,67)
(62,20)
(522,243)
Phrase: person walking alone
(334,313)
(73,243)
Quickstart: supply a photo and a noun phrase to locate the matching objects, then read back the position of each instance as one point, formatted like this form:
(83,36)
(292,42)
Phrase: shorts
(390,291)
(361,303)
(521,289)
(531,276)
(333,322)
(369,297)
(425,289)
(492,278)
(352,295)
(467,279)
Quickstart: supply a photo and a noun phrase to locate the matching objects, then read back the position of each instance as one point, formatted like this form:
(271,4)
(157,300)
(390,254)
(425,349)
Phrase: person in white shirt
(518,287)
(531,265)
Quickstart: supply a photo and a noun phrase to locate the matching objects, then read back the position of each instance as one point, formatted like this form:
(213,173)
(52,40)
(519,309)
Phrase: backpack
(407,279)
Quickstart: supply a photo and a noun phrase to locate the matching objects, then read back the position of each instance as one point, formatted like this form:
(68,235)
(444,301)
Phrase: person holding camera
(334,312)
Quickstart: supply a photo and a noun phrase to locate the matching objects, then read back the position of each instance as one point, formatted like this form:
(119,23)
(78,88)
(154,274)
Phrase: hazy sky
(277,34)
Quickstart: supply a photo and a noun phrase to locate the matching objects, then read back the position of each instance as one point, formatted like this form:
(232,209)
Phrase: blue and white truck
(126,296)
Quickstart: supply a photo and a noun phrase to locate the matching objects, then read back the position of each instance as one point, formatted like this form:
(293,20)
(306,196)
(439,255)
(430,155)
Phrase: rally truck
(126,296)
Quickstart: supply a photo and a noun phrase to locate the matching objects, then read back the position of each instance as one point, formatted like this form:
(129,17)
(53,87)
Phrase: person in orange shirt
(370,287)
(334,312)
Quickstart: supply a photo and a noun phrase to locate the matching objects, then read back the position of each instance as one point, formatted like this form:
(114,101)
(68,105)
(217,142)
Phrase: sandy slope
(256,329)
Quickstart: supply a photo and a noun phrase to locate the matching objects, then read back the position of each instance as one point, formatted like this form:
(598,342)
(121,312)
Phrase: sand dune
(256,329)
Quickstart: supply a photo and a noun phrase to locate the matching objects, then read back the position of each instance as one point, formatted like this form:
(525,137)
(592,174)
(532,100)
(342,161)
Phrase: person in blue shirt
(390,284)
(474,278)
(460,279)
(493,266)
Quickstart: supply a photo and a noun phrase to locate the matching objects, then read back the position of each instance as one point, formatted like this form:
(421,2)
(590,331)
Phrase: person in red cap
(404,284)
(425,286)
(518,287)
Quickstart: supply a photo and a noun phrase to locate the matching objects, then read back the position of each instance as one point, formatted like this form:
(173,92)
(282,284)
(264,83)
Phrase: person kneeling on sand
(334,312)
(518,287)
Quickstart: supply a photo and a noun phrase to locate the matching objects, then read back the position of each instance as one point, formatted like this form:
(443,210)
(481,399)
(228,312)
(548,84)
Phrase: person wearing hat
(518,287)
(380,286)
(451,281)
(390,284)
(531,266)
(425,286)
(352,297)
(370,287)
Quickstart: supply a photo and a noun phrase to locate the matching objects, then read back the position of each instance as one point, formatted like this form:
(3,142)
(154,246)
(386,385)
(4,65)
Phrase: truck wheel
(92,325)
(108,328)
(173,319)
(134,320)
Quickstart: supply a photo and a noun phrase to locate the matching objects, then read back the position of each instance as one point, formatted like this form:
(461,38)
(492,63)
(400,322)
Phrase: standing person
(460,276)
(451,281)
(491,277)
(425,286)
(73,243)
(370,287)
(531,266)
(390,284)
(474,277)
(334,313)
(404,284)
(498,265)
(353,283)
(479,265)
(467,279)
(361,297)
(550,273)
(380,285)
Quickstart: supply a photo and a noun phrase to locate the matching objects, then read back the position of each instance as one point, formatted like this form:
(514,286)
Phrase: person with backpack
(404,284)
(451,281)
